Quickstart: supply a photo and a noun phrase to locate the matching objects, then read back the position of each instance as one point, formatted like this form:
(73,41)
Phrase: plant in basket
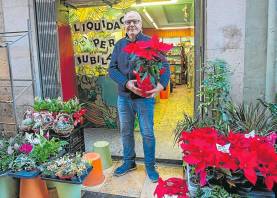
(28,121)
(72,106)
(69,167)
(63,124)
(147,58)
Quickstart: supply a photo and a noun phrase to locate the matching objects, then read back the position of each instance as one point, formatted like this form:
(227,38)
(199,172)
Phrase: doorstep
(133,184)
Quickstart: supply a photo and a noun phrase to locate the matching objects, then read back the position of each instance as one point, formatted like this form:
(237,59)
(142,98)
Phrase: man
(130,101)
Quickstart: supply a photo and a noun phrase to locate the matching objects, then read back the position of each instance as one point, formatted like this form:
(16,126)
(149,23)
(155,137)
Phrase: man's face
(132,24)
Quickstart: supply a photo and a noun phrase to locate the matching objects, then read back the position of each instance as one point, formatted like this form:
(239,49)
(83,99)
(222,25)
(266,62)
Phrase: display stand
(7,39)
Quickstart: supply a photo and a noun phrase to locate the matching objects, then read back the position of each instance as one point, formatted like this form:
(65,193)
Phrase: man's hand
(131,86)
(154,91)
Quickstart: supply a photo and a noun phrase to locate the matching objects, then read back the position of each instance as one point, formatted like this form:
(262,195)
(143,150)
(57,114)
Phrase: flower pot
(66,190)
(8,187)
(35,186)
(165,93)
(96,176)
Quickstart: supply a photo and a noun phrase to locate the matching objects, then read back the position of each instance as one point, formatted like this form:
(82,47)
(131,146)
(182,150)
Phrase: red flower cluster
(204,147)
(149,50)
(147,59)
(171,186)
(26,148)
(78,116)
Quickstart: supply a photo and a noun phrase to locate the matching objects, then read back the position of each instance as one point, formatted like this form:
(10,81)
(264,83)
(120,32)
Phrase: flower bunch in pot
(147,59)
(31,152)
(70,167)
(231,160)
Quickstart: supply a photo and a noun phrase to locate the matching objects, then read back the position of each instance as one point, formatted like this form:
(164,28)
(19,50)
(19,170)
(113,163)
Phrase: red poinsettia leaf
(191,159)
(131,48)
(203,180)
(162,71)
(269,181)
(251,175)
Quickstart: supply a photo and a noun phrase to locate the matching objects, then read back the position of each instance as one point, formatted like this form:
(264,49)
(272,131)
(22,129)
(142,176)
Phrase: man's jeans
(127,110)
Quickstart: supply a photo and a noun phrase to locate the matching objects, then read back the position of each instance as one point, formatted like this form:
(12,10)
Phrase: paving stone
(127,185)
(165,171)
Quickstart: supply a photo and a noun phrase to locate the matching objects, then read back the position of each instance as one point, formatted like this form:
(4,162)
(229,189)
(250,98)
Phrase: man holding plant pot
(132,100)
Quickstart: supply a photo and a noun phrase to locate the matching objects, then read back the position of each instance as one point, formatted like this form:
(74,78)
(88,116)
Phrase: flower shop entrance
(92,51)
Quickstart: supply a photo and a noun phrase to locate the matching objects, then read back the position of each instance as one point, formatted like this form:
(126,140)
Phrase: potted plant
(147,58)
(214,154)
(68,172)
(69,167)
(8,151)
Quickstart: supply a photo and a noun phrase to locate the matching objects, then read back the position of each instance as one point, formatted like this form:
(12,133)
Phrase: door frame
(200,21)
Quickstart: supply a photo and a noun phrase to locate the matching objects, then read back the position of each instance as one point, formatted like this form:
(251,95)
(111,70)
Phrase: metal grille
(48,48)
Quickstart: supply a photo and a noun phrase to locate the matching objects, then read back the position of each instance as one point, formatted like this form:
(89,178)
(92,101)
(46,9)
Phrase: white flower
(16,146)
(36,141)
(249,135)
(10,150)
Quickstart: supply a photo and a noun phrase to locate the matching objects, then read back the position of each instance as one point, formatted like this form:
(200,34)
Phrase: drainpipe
(271,52)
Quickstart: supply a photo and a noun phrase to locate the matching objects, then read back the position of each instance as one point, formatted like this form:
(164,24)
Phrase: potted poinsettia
(233,159)
(147,58)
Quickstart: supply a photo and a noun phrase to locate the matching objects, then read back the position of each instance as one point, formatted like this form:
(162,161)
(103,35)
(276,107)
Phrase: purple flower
(26,148)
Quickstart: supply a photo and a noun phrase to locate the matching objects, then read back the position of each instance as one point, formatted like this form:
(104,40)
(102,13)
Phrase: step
(133,184)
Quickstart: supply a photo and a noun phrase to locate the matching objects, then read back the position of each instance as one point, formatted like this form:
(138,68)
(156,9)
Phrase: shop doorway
(95,27)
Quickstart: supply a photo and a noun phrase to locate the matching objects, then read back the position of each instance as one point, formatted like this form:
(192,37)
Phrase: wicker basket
(63,124)
(47,120)
(28,121)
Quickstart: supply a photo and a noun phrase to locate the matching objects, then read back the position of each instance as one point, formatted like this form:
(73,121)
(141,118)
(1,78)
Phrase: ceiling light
(176,28)
(150,18)
(155,3)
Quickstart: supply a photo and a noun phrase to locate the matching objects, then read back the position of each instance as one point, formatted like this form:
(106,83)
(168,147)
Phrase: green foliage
(8,151)
(68,165)
(187,124)
(57,105)
(215,89)
(215,192)
(272,107)
(23,162)
(251,117)
(46,149)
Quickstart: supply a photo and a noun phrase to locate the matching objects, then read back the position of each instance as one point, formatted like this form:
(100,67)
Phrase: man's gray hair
(132,12)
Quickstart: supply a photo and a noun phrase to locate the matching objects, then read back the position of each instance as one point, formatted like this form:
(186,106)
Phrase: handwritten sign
(98,26)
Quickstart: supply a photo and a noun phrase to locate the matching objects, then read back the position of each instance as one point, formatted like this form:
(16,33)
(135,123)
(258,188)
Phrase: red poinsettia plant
(147,60)
(79,116)
(176,187)
(205,148)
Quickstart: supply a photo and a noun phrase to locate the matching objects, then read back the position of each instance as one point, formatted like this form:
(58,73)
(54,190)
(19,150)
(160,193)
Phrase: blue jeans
(127,110)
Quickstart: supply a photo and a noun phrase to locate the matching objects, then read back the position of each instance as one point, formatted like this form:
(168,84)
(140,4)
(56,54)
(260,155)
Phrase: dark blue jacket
(120,68)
